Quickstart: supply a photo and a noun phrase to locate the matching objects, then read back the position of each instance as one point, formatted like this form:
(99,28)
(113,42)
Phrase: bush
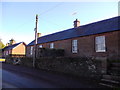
(46,52)
(27,61)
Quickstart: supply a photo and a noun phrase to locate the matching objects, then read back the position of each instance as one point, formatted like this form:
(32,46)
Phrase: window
(100,44)
(51,45)
(31,50)
(7,52)
(74,46)
(40,46)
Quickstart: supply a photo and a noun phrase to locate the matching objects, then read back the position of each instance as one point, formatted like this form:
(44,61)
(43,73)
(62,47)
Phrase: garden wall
(80,67)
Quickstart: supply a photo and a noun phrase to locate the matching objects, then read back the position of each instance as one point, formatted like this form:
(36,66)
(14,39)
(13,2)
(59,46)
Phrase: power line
(46,11)
(51,8)
(50,22)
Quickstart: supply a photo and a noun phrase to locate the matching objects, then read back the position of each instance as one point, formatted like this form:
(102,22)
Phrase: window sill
(74,52)
(101,51)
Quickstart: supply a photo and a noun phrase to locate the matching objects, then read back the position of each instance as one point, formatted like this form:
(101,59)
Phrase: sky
(17,20)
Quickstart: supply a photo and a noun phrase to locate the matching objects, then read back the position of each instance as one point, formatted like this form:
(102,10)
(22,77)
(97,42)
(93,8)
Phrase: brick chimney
(38,35)
(76,23)
(7,44)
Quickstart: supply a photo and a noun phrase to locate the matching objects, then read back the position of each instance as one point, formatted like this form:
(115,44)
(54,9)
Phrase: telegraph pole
(35,43)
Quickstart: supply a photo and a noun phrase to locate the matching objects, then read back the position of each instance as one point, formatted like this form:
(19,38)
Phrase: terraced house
(14,49)
(98,40)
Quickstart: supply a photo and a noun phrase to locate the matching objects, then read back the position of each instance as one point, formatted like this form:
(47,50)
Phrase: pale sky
(18,18)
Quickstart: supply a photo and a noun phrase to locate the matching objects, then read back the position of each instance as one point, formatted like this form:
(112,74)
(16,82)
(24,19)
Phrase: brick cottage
(14,49)
(100,40)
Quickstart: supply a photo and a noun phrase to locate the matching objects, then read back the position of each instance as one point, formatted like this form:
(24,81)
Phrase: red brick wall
(86,45)
(20,49)
(119,44)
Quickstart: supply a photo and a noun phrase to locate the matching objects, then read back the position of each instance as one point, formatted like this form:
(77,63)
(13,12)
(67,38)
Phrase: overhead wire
(46,11)
(50,22)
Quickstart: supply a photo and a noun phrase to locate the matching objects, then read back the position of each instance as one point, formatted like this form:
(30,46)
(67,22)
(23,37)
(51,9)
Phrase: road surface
(23,77)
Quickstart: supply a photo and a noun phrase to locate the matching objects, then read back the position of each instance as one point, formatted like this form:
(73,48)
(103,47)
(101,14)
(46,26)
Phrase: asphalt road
(23,77)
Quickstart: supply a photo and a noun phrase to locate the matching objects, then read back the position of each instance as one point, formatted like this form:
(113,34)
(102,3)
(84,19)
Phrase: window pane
(74,46)
(31,51)
(100,43)
(51,45)
(100,39)
(40,46)
(102,47)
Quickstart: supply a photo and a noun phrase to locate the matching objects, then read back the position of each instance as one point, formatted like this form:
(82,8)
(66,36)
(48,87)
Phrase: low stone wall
(81,67)
(77,66)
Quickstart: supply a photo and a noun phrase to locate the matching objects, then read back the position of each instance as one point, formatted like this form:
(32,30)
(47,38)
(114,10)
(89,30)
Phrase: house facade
(97,40)
(14,49)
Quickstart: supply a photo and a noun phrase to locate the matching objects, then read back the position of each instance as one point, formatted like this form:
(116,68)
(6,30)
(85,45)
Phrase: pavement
(15,76)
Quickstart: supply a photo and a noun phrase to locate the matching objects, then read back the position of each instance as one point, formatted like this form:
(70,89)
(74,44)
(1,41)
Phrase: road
(23,77)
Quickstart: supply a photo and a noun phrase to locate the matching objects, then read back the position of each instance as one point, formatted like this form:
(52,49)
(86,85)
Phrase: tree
(1,45)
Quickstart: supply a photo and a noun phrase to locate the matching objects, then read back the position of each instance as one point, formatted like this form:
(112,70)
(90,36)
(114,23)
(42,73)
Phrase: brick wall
(119,44)
(86,46)
(20,49)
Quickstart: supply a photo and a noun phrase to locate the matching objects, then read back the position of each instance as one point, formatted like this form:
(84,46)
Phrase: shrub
(46,52)
(27,61)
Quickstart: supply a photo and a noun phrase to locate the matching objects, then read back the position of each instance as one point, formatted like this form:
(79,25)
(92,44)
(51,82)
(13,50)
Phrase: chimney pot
(76,23)
(38,35)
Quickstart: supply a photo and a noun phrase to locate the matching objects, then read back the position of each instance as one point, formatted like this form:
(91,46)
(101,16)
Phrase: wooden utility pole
(35,43)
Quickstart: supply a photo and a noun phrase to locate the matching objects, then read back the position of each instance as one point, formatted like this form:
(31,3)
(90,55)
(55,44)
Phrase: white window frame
(100,44)
(51,45)
(7,52)
(74,46)
(31,50)
(40,46)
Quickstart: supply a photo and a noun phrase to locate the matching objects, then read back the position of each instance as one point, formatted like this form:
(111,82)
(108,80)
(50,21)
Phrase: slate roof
(108,25)
(11,46)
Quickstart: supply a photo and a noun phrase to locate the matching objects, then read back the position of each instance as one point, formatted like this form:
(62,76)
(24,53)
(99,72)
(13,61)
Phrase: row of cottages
(14,49)
(98,40)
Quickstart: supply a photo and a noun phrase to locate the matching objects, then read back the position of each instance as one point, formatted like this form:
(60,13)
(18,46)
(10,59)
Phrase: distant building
(14,49)
(98,40)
